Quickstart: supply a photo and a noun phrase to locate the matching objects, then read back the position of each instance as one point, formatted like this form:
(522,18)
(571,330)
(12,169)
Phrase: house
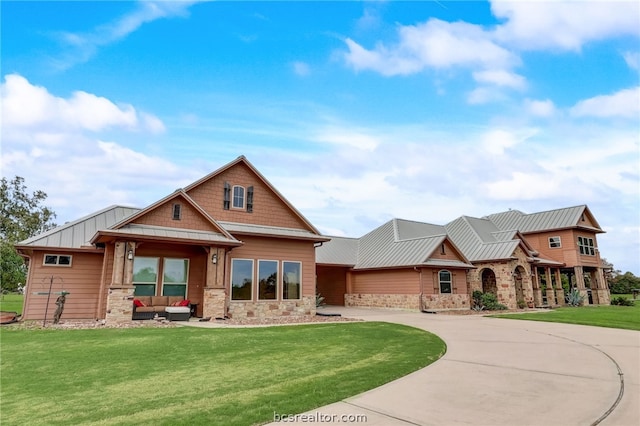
(229,242)
(401,264)
(521,258)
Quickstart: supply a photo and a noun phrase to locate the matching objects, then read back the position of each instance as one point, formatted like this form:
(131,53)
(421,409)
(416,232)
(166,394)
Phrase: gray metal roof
(397,243)
(552,219)
(480,239)
(79,232)
(246,228)
(171,233)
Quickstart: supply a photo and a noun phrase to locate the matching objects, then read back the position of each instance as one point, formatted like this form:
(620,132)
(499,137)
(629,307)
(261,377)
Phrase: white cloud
(565,25)
(632,59)
(625,103)
(433,44)
(500,78)
(83,46)
(29,106)
(484,95)
(301,69)
(545,108)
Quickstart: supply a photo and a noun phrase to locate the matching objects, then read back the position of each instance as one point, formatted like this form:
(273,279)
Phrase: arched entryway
(489,282)
(518,275)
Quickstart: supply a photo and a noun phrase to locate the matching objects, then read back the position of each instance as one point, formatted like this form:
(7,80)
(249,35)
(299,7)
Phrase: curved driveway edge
(502,372)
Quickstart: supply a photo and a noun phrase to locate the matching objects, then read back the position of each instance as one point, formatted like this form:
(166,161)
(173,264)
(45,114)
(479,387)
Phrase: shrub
(490,302)
(521,304)
(622,301)
(476,297)
(574,298)
(319,300)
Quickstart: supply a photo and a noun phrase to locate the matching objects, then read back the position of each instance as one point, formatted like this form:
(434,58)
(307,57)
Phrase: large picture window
(174,277)
(444,279)
(267,279)
(291,280)
(241,279)
(145,275)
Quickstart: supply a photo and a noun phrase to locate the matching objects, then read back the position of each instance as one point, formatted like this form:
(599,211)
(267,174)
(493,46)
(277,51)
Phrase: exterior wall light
(214,259)
(130,255)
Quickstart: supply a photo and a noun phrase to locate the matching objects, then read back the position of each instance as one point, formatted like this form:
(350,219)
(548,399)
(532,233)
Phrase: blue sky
(357,112)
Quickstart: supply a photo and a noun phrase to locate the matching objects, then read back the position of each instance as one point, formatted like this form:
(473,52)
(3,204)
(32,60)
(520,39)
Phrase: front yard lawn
(184,375)
(11,302)
(627,317)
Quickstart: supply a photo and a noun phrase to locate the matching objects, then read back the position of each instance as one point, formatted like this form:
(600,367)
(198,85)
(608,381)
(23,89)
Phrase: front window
(267,279)
(444,278)
(57,260)
(555,242)
(145,275)
(238,197)
(174,277)
(586,246)
(241,279)
(291,280)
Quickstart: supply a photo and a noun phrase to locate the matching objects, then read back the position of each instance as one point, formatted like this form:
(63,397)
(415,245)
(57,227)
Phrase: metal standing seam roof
(78,233)
(171,233)
(396,243)
(246,228)
(477,239)
(541,221)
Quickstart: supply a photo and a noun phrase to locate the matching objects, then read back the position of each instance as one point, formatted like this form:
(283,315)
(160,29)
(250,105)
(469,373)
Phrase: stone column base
(214,303)
(603,296)
(119,304)
(560,297)
(537,297)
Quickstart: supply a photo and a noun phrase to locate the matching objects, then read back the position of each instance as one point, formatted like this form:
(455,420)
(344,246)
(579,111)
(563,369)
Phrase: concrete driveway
(502,372)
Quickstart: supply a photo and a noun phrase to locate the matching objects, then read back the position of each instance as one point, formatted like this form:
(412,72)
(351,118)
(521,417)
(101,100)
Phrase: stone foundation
(602,296)
(119,304)
(446,301)
(306,306)
(397,301)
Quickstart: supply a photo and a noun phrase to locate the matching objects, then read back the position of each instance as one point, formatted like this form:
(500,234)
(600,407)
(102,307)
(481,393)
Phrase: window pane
(445,287)
(267,279)
(50,260)
(145,270)
(445,276)
(445,281)
(64,260)
(241,279)
(291,280)
(175,270)
(238,197)
(174,290)
(145,290)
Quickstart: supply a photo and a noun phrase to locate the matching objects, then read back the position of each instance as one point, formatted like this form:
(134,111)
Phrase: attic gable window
(250,199)
(177,212)
(238,197)
(555,242)
(227,196)
(56,260)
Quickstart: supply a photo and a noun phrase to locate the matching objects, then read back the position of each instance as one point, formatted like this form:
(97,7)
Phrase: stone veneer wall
(265,309)
(119,304)
(214,303)
(445,301)
(398,301)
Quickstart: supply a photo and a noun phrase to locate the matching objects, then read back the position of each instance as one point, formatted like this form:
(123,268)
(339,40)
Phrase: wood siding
(332,284)
(190,217)
(258,248)
(81,280)
(450,253)
(431,284)
(396,281)
(568,253)
(268,208)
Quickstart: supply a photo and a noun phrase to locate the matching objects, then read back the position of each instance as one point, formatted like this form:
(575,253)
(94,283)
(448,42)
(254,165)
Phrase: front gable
(239,193)
(587,219)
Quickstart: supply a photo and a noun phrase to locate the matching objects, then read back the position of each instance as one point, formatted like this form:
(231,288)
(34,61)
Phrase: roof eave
(107,236)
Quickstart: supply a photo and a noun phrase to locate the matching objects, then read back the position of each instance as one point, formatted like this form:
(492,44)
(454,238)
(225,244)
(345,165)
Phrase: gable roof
(397,243)
(480,239)
(568,217)
(242,159)
(78,233)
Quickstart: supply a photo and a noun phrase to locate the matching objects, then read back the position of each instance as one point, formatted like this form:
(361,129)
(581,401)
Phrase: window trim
(440,281)
(233,197)
(277,296)
(586,246)
(253,279)
(176,211)
(186,283)
(57,257)
(300,278)
(552,241)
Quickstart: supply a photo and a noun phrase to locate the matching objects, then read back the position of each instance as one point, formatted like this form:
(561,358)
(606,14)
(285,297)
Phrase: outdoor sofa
(147,307)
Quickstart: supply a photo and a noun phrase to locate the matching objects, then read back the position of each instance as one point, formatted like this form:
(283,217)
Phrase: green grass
(187,375)
(11,302)
(627,317)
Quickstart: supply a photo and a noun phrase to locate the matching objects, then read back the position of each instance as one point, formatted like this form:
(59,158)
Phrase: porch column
(214,299)
(602,289)
(348,289)
(559,288)
(580,285)
(537,291)
(119,299)
(551,295)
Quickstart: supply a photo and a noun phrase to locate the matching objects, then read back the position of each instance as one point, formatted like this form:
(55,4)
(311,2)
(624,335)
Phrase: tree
(22,216)
(624,283)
